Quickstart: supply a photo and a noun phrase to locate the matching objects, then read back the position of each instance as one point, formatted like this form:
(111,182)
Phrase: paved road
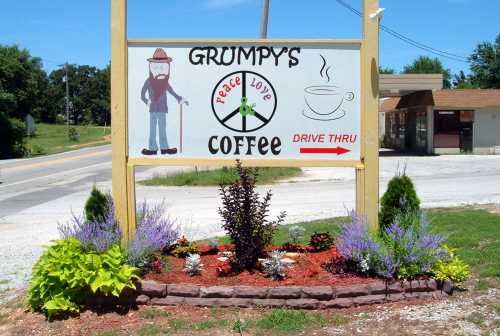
(36,194)
(29,182)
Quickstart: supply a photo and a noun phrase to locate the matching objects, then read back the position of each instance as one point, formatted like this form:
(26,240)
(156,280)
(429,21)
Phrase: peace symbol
(244,101)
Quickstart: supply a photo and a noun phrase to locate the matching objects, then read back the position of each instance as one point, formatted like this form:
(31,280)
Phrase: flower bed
(358,266)
(307,270)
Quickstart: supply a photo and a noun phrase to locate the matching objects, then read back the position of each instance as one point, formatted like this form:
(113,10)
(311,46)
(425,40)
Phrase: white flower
(364,264)
(193,265)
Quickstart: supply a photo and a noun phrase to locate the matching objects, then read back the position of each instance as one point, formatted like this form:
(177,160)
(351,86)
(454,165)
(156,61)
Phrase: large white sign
(244,100)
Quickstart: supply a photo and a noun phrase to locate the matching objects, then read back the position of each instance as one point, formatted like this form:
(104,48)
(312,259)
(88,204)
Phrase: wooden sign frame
(123,168)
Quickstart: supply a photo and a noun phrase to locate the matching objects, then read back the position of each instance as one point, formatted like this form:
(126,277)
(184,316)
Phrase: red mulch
(306,272)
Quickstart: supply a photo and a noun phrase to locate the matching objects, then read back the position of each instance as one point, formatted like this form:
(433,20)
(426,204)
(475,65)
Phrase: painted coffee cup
(326,99)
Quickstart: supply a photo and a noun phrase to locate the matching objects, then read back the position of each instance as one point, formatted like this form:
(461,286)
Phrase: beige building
(443,121)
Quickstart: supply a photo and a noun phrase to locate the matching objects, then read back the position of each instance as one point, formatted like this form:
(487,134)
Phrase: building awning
(400,85)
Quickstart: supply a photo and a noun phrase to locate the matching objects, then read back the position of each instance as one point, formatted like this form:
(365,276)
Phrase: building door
(447,130)
(466,131)
(421,132)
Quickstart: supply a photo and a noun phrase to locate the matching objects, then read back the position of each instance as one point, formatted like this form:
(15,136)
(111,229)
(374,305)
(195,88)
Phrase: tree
(96,206)
(427,65)
(23,83)
(388,71)
(12,134)
(400,199)
(89,94)
(463,81)
(485,65)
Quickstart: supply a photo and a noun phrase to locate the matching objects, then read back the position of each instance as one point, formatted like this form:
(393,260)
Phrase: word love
(322,138)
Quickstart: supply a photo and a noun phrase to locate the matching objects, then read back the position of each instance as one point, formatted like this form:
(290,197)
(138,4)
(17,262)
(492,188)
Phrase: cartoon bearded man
(156,86)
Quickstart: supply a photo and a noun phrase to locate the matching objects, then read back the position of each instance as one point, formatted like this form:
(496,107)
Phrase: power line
(408,40)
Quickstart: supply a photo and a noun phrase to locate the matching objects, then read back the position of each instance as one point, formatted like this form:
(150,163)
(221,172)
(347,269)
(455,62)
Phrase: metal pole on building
(264,19)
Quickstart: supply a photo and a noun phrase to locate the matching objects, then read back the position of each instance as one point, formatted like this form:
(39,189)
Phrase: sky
(78,31)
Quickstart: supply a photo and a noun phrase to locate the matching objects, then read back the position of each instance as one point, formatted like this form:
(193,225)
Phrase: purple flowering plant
(355,243)
(98,234)
(414,248)
(155,232)
(402,250)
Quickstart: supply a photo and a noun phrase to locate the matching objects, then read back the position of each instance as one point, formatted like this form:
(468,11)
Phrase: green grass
(476,234)
(152,313)
(331,225)
(151,330)
(276,321)
(217,176)
(285,321)
(50,139)
(482,285)
(179,324)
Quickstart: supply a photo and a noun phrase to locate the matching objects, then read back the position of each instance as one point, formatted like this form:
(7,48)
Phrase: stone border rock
(294,297)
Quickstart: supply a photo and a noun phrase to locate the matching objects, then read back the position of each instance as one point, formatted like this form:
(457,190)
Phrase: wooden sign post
(367,175)
(300,103)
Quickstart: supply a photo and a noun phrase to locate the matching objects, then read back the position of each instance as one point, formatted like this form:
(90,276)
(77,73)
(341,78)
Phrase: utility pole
(67,93)
(264,19)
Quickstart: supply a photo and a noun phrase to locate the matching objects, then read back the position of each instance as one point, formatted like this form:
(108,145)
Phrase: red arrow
(336,150)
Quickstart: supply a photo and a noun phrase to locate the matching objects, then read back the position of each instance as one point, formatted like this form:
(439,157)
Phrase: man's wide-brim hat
(160,56)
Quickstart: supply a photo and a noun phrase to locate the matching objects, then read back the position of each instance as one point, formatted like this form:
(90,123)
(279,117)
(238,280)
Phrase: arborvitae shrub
(96,205)
(400,199)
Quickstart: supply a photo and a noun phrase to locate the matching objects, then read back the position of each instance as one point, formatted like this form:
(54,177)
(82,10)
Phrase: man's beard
(158,85)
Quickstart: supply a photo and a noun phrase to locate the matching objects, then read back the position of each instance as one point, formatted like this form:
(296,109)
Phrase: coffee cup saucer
(318,117)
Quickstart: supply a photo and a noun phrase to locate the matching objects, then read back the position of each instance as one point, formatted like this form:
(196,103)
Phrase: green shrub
(321,241)
(400,199)
(245,218)
(96,205)
(35,150)
(13,134)
(408,271)
(453,269)
(60,119)
(66,274)
(73,134)
(184,247)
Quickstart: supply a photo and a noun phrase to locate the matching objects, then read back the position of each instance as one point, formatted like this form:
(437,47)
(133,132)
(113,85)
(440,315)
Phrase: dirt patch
(492,208)
(104,140)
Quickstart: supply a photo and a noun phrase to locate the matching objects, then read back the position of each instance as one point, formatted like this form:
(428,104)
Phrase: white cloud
(225,3)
